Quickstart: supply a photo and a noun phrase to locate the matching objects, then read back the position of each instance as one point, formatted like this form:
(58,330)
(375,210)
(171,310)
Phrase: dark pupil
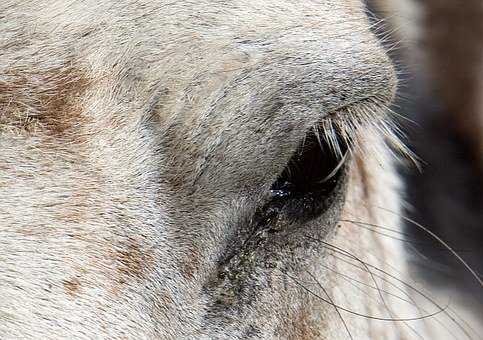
(308,170)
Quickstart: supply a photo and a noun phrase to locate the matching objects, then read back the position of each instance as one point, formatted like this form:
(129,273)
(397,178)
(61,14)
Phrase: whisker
(444,310)
(380,291)
(361,314)
(408,239)
(441,241)
(333,304)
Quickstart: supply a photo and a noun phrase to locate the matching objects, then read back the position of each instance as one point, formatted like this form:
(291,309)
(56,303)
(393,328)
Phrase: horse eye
(304,188)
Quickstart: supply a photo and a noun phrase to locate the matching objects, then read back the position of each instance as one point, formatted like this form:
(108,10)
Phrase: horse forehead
(58,72)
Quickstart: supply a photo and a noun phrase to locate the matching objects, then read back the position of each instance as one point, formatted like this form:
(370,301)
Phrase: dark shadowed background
(441,95)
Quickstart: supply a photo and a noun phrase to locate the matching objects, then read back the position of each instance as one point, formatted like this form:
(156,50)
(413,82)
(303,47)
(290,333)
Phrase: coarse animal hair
(140,142)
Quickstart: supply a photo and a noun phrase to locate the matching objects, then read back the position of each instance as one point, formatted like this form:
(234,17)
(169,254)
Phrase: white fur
(137,137)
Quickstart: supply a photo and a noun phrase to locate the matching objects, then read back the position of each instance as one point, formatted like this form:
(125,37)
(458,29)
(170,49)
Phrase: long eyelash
(349,126)
(336,169)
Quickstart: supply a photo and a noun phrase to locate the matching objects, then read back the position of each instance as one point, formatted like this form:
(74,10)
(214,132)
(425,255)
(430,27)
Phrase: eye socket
(304,189)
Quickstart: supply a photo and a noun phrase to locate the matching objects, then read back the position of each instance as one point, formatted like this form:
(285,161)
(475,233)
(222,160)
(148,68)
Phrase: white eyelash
(347,128)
